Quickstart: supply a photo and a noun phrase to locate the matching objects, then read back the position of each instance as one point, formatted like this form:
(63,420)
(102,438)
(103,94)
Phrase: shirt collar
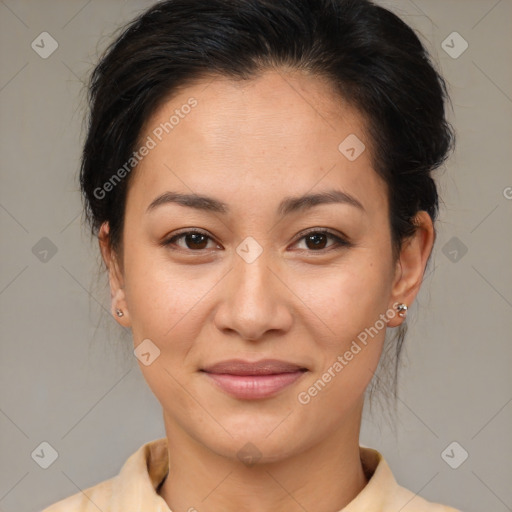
(135,488)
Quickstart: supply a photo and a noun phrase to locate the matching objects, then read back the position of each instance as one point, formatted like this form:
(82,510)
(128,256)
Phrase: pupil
(196,239)
(317,243)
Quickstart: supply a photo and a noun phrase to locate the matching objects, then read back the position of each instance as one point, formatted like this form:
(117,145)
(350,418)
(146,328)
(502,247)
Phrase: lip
(253,380)
(262,367)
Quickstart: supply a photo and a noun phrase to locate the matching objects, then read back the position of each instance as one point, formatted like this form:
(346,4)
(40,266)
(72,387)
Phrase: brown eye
(192,240)
(316,241)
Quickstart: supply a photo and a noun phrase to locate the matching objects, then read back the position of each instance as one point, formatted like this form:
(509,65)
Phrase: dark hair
(371,57)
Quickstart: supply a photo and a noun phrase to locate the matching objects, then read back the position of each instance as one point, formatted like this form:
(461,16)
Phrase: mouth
(253,380)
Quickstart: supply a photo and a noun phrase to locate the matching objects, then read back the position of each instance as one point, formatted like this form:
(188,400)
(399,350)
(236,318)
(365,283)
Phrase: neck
(324,477)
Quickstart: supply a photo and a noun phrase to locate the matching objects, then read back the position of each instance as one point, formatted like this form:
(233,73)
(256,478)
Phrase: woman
(259,176)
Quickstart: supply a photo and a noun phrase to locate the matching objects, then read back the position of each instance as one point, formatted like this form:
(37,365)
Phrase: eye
(192,240)
(316,240)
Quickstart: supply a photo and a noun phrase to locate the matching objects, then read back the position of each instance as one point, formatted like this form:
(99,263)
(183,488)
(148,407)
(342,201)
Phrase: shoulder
(407,501)
(384,494)
(92,499)
(135,485)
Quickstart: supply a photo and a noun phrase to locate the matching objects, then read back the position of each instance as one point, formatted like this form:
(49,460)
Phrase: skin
(250,144)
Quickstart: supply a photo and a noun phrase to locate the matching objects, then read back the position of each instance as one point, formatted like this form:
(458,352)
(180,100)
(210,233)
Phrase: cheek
(353,310)
(164,305)
(351,303)
(162,297)
(348,298)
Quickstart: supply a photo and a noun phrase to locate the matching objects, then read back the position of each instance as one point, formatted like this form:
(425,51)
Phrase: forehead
(273,132)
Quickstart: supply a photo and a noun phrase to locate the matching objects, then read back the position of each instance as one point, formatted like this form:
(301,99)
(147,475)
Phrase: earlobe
(119,309)
(411,264)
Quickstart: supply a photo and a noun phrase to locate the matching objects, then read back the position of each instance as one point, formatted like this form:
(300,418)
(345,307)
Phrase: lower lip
(252,387)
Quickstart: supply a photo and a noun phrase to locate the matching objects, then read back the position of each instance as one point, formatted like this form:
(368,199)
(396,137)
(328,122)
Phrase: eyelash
(339,242)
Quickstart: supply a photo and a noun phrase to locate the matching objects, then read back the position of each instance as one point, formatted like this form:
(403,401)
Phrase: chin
(256,449)
(258,438)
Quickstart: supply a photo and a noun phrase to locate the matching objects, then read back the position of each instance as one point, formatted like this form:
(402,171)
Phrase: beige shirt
(134,489)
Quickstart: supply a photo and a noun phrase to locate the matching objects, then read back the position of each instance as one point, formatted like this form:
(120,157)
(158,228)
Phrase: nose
(255,301)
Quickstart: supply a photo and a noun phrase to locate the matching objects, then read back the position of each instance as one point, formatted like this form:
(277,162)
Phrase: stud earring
(402,309)
(119,312)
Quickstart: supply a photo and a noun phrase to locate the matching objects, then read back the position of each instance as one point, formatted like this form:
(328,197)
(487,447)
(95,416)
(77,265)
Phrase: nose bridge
(252,274)
(253,302)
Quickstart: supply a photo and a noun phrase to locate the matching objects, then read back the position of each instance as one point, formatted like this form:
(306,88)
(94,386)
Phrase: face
(250,272)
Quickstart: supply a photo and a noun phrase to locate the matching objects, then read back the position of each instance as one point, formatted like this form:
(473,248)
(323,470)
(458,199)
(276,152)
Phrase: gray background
(67,373)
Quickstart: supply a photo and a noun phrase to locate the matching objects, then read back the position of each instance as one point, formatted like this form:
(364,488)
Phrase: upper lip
(262,367)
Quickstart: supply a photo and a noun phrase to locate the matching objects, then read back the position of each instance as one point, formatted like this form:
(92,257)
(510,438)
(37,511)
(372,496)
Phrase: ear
(115,277)
(410,266)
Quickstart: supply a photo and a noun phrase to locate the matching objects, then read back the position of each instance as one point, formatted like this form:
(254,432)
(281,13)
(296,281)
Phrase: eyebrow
(286,206)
